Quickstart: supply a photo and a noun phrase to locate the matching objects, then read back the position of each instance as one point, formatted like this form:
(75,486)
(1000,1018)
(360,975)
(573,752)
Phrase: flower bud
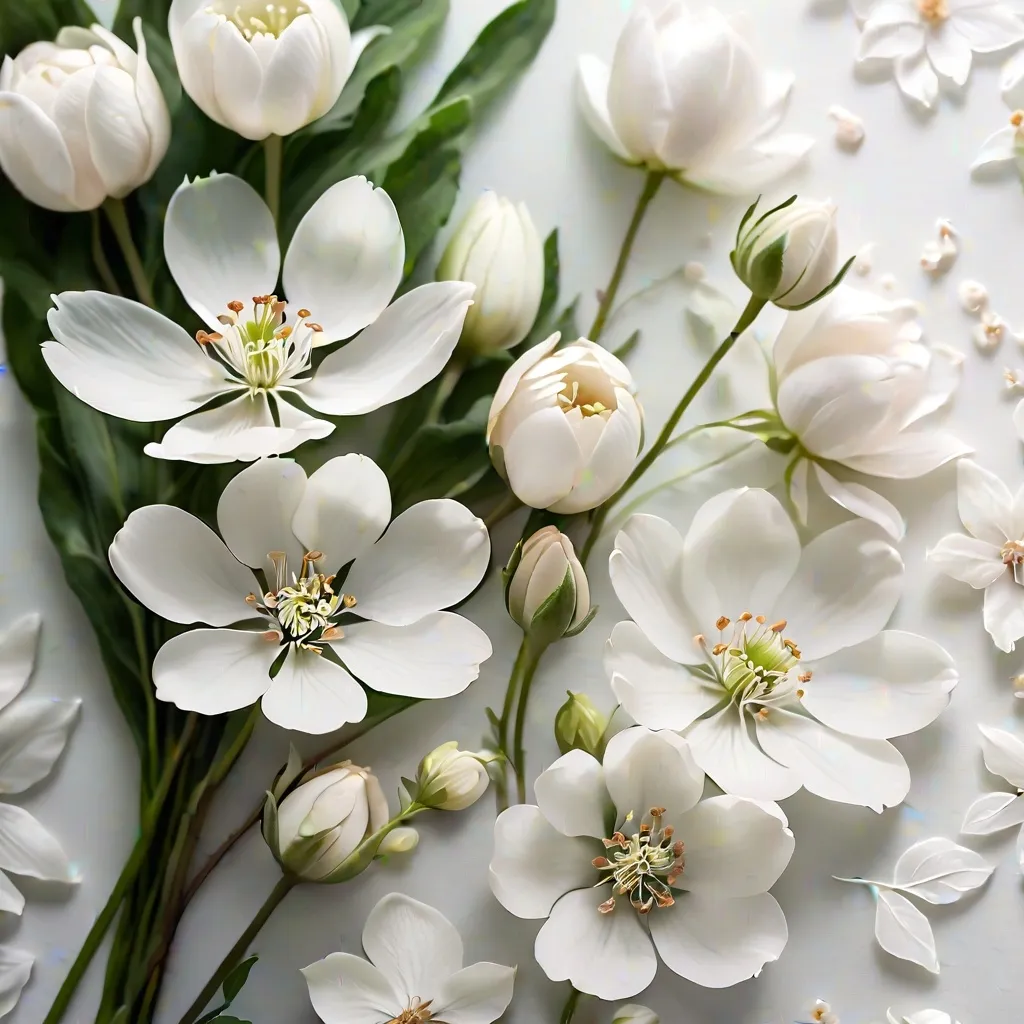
(496,248)
(323,822)
(449,779)
(634,1013)
(400,840)
(580,726)
(789,255)
(81,119)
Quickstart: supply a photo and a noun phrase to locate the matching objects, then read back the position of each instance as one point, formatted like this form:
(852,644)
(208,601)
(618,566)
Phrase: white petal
(1004,612)
(1004,754)
(542,458)
(849,770)
(179,568)
(1011,80)
(514,374)
(720,942)
(645,769)
(911,454)
(118,136)
(534,865)
(26,848)
(432,556)
(345,989)
(127,360)
(799,496)
(294,91)
(213,671)
(891,30)
(437,656)
(988,27)
(723,747)
(255,510)
(11,899)
(605,955)
(33,734)
(220,244)
(891,685)
(916,79)
(571,795)
(34,155)
(993,812)
(734,847)
(985,503)
(950,53)
(998,151)
(902,930)
(404,348)
(478,994)
(652,689)
(940,871)
(844,591)
(745,172)
(592,77)
(646,573)
(15,968)
(19,644)
(312,694)
(967,559)
(238,80)
(863,502)
(414,946)
(346,258)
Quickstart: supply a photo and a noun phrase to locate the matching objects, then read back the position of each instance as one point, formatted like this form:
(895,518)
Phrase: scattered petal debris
(849,127)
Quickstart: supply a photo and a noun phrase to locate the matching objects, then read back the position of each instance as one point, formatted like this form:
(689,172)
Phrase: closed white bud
(634,1013)
(402,840)
(497,248)
(580,726)
(81,119)
(319,825)
(449,779)
(789,255)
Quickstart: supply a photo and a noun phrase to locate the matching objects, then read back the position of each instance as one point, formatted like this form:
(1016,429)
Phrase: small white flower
(937,257)
(686,94)
(415,973)
(990,556)
(773,660)
(928,38)
(822,1013)
(988,335)
(622,858)
(1002,150)
(973,296)
(343,266)
(384,626)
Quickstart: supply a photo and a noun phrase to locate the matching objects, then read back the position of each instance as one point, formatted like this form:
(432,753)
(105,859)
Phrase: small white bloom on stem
(634,1013)
(849,127)
(938,256)
(401,840)
(450,779)
(81,119)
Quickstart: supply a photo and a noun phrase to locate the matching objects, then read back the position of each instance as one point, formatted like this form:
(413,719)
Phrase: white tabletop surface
(910,171)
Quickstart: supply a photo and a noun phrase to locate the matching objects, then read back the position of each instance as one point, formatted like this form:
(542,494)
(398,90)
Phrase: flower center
(643,867)
(1013,558)
(933,11)
(418,1013)
(254,18)
(588,389)
(262,352)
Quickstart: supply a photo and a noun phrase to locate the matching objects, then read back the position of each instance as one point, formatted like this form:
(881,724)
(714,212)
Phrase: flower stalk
(569,1010)
(273,155)
(118,217)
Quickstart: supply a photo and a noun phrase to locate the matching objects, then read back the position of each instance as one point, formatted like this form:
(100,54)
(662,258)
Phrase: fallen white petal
(15,968)
(902,930)
(940,871)
(993,812)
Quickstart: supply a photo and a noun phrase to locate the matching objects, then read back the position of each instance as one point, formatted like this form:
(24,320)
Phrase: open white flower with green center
(307,593)
(342,268)
(414,973)
(622,858)
(990,556)
(773,661)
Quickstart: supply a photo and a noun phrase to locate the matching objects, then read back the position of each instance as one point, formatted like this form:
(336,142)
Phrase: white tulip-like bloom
(414,974)
(565,428)
(773,661)
(622,857)
(263,68)
(854,384)
(686,95)
(81,119)
(342,268)
(383,626)
(497,249)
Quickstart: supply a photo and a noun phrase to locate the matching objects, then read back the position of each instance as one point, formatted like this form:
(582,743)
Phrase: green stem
(747,317)
(528,663)
(569,1010)
(506,720)
(446,385)
(273,152)
(99,257)
(502,511)
(284,886)
(650,190)
(118,217)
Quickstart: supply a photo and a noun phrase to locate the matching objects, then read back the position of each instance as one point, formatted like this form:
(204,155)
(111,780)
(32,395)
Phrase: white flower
(990,556)
(1003,149)
(773,660)
(81,119)
(921,1017)
(497,249)
(450,779)
(263,68)
(823,1013)
(300,532)
(415,973)
(33,733)
(853,385)
(685,94)
(565,428)
(634,1013)
(928,38)
(342,268)
(578,858)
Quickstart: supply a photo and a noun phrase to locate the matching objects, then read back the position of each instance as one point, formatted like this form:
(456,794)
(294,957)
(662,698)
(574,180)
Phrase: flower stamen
(304,607)
(754,662)
(644,867)
(933,11)
(1012,554)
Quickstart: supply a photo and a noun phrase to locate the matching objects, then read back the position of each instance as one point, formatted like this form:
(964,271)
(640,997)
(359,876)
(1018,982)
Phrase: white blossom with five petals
(623,857)
(272,592)
(343,266)
(773,661)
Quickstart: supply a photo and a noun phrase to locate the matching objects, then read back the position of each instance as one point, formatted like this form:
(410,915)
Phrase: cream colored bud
(634,1013)
(450,779)
(402,840)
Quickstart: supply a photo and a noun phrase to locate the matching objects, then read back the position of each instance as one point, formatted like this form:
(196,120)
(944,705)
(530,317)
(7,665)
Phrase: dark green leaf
(351,9)
(152,12)
(567,324)
(161,60)
(623,351)
(549,297)
(26,22)
(239,975)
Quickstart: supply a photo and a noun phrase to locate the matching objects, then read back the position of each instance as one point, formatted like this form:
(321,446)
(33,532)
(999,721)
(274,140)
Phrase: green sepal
(288,774)
(577,629)
(836,282)
(764,273)
(269,826)
(509,571)
(554,616)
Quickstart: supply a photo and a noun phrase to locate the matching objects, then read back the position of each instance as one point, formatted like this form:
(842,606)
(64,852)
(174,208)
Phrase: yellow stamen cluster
(934,11)
(252,19)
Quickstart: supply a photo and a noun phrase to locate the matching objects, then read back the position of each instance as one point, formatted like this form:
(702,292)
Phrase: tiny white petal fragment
(695,271)
(863,262)
(849,127)
(973,296)
(954,355)
(989,334)
(938,256)
(1014,381)
(887,282)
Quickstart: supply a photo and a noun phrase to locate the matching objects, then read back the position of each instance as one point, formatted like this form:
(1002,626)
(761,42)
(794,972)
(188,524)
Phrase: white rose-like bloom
(415,973)
(497,248)
(386,629)
(263,68)
(343,266)
(854,385)
(685,94)
(773,661)
(694,883)
(565,428)
(81,119)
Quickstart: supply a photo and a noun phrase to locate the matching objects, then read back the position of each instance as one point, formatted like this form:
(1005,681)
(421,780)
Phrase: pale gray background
(910,171)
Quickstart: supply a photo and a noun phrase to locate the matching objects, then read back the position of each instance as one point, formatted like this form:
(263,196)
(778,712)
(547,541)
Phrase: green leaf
(624,350)
(239,975)
(31,20)
(161,60)
(152,12)
(546,314)
(351,9)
